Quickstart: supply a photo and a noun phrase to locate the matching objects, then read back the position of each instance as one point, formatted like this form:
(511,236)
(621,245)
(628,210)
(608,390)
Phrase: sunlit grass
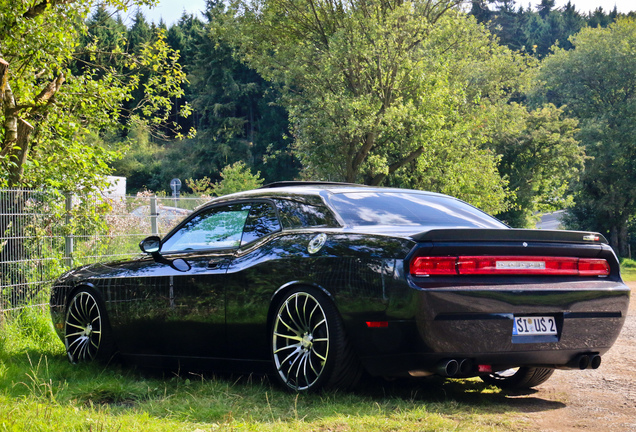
(628,270)
(41,391)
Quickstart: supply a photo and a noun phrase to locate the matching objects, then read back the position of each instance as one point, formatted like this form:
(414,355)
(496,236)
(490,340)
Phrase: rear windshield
(404,209)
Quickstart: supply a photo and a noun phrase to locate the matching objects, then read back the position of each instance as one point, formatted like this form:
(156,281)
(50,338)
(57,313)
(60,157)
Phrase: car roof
(307,190)
(291,189)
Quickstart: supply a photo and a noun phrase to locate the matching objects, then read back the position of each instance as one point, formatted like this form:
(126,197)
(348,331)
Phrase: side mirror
(180,265)
(150,245)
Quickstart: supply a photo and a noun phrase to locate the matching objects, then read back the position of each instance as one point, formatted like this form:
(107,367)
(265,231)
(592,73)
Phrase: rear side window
(261,221)
(296,214)
(403,209)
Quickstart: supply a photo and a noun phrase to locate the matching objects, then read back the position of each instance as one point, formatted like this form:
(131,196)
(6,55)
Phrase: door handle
(217,263)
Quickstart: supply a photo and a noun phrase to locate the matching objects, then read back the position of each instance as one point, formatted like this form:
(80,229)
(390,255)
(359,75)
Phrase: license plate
(530,326)
(520,265)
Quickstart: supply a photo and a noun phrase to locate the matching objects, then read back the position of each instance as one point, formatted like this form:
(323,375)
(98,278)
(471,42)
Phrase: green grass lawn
(41,391)
(628,270)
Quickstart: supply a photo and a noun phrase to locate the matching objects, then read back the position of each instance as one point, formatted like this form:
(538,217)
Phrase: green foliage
(60,92)
(383,92)
(540,157)
(236,178)
(536,31)
(236,117)
(596,81)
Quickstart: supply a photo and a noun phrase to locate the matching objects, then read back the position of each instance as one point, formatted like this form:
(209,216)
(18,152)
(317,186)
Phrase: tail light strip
(509,265)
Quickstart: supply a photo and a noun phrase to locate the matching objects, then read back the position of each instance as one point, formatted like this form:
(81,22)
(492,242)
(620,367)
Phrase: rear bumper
(476,323)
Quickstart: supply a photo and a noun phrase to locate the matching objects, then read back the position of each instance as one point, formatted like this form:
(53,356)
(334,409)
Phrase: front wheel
(519,378)
(309,347)
(86,333)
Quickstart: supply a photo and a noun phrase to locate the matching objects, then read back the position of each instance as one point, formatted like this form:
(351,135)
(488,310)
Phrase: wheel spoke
(70,324)
(323,358)
(280,320)
(313,368)
(288,357)
(75,334)
(299,328)
(321,322)
(311,314)
(292,337)
(286,347)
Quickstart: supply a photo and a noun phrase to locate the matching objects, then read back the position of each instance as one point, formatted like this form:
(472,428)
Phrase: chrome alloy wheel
(83,328)
(300,341)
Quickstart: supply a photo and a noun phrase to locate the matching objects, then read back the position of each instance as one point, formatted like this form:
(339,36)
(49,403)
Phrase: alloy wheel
(300,343)
(83,328)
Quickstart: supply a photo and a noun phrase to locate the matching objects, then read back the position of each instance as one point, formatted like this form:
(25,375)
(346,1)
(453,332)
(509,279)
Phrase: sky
(171,10)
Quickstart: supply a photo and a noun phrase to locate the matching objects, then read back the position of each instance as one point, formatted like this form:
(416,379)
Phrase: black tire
(520,378)
(87,335)
(310,350)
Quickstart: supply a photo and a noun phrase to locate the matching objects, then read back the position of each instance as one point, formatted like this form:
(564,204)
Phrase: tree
(54,96)
(596,82)
(234,178)
(540,157)
(375,89)
(237,119)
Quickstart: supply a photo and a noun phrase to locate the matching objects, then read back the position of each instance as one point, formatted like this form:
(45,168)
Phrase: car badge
(317,243)
(525,244)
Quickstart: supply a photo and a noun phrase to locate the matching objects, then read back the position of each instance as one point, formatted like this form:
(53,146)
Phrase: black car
(316,283)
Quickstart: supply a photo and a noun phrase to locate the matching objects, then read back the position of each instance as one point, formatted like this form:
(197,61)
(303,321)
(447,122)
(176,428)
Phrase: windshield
(406,209)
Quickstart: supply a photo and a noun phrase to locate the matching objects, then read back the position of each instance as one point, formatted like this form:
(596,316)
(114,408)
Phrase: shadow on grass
(468,392)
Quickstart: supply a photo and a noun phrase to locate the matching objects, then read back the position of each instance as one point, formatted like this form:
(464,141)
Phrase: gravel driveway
(591,400)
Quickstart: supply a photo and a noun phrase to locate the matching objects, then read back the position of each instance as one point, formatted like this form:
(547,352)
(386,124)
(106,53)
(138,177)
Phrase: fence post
(153,215)
(68,239)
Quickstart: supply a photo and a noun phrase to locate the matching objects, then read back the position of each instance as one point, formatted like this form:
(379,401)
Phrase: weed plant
(41,391)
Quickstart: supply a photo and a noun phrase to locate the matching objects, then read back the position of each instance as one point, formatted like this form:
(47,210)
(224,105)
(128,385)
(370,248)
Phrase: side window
(261,221)
(296,214)
(217,228)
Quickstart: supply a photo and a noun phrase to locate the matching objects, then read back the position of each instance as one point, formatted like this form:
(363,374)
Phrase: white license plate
(529,326)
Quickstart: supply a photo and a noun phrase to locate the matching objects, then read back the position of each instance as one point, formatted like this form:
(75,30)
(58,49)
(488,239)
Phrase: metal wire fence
(44,233)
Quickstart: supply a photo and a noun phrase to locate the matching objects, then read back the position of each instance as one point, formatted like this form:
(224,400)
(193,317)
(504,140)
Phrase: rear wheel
(519,378)
(309,346)
(87,336)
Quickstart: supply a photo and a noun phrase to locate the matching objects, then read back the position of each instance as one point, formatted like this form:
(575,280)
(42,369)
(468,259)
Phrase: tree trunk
(623,240)
(614,238)
(20,152)
(17,132)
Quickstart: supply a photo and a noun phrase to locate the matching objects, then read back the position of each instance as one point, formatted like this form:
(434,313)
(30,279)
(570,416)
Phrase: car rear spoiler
(479,234)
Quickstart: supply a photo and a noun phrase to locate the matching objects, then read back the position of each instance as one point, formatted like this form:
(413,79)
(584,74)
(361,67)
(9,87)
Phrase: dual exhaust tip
(465,367)
(452,367)
(587,361)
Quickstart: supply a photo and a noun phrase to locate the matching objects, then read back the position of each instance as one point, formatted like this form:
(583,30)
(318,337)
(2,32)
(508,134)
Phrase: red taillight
(511,265)
(427,266)
(377,324)
(593,267)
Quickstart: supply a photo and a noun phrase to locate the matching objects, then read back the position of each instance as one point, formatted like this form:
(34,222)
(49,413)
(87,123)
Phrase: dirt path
(591,400)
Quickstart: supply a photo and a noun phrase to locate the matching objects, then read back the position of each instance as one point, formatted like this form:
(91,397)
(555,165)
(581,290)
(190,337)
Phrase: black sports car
(317,282)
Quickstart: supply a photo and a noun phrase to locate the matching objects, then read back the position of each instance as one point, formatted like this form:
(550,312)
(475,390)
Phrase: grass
(41,391)
(628,270)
